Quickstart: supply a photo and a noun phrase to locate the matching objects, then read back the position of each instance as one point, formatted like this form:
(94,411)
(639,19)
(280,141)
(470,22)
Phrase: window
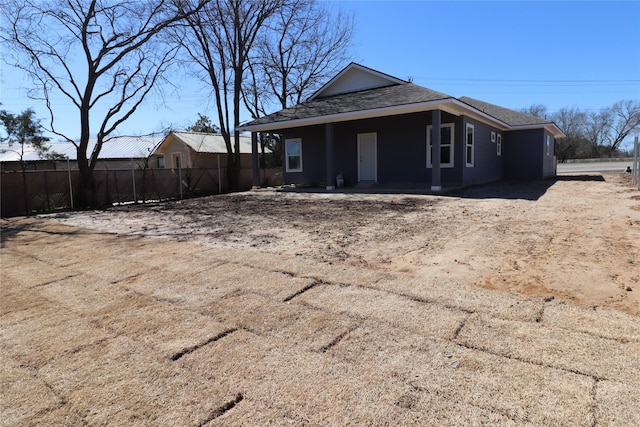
(446,145)
(176,161)
(548,145)
(293,155)
(499,144)
(161,162)
(469,140)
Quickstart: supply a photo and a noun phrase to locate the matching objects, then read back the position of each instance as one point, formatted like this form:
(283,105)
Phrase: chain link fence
(41,191)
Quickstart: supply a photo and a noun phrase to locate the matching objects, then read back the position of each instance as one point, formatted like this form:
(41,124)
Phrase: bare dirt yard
(516,303)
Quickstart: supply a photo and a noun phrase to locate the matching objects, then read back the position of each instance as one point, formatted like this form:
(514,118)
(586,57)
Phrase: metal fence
(635,171)
(24,193)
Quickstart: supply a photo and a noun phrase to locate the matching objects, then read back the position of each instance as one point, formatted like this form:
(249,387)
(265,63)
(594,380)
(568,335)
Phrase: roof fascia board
(449,105)
(551,127)
(474,113)
(359,67)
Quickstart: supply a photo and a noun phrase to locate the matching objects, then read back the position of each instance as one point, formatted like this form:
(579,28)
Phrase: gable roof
(391,97)
(349,106)
(354,78)
(201,142)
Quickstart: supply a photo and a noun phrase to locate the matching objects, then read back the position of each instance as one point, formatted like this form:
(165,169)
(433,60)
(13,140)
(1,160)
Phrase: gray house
(374,129)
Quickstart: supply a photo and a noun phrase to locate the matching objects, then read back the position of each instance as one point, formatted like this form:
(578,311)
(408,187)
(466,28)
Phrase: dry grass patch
(601,321)
(296,383)
(617,404)
(35,335)
(24,396)
(560,348)
(16,296)
(29,271)
(299,325)
(521,392)
(272,285)
(465,297)
(150,391)
(83,294)
(164,327)
(399,311)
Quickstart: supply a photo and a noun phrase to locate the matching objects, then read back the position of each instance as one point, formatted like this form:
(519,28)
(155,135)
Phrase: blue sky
(511,53)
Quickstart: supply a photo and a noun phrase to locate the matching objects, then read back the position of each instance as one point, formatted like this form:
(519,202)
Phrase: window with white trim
(499,144)
(446,145)
(469,140)
(548,145)
(293,155)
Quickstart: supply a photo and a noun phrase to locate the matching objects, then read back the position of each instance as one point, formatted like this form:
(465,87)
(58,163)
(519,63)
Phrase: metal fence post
(180,180)
(219,177)
(70,185)
(46,192)
(636,163)
(133,179)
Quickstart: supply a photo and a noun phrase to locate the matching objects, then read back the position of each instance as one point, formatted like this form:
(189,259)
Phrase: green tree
(23,131)
(204,125)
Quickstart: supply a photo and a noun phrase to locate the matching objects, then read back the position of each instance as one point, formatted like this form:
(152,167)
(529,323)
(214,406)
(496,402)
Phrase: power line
(577,81)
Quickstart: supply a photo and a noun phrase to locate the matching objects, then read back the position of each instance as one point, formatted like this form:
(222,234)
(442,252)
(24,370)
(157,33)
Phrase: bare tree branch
(100,54)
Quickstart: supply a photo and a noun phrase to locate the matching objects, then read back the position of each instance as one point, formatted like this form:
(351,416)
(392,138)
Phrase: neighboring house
(116,153)
(373,128)
(198,150)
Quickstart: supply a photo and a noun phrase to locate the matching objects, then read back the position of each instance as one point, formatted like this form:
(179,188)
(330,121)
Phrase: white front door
(367,157)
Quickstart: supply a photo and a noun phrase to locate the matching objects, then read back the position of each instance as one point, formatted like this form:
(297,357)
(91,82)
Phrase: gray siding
(313,156)
(487,164)
(523,153)
(402,153)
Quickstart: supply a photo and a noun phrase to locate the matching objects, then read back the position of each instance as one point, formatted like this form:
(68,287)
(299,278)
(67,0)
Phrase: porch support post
(254,161)
(435,154)
(328,130)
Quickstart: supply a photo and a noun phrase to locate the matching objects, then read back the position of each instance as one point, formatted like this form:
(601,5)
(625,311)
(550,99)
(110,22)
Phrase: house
(374,129)
(198,150)
(117,153)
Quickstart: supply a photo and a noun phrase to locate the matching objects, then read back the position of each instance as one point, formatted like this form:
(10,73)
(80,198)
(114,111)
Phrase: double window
(446,145)
(293,155)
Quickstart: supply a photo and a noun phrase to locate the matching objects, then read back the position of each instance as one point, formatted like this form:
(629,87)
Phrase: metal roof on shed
(119,147)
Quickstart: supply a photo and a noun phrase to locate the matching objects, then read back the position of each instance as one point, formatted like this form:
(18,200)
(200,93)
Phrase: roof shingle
(389,96)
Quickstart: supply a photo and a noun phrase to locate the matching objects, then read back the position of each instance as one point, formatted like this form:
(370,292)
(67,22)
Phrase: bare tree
(219,40)
(306,45)
(537,110)
(597,129)
(626,120)
(103,56)
(572,123)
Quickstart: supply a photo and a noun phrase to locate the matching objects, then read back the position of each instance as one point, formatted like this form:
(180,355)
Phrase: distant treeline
(605,133)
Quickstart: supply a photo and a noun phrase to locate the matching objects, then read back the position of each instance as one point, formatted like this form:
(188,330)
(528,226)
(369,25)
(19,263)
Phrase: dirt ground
(577,239)
(507,304)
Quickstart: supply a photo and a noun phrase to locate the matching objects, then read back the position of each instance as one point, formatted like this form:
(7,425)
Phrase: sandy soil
(317,309)
(576,238)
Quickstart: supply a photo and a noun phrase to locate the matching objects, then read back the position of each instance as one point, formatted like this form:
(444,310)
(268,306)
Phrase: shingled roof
(380,95)
(510,117)
(372,99)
